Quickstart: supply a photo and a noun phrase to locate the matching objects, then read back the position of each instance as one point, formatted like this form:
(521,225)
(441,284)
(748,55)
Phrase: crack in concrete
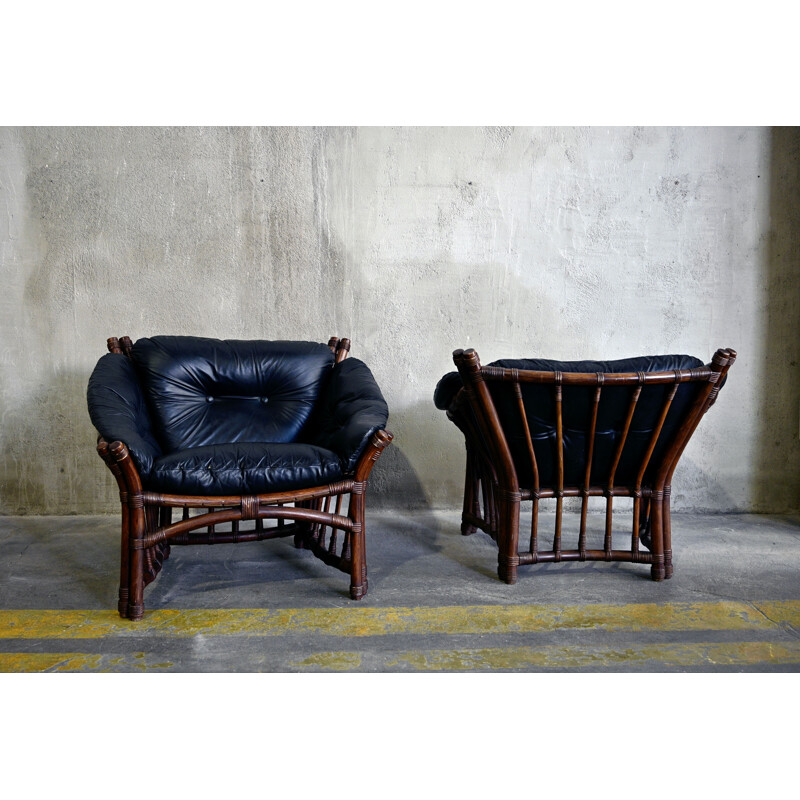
(706,593)
(784,626)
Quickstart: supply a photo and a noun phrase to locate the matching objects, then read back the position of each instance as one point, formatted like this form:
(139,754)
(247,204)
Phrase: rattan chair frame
(492,491)
(313,516)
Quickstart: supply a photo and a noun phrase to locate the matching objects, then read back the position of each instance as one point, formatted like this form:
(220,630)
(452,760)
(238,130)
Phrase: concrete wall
(558,242)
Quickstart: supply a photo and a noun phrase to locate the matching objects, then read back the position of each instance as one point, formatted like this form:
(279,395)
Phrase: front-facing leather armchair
(245,431)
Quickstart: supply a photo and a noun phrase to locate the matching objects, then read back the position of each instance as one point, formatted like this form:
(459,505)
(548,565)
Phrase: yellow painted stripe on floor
(550,657)
(342,661)
(449,620)
(87,662)
(553,657)
(48,662)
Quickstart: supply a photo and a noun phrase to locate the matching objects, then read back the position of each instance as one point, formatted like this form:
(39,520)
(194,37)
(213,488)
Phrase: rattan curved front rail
(492,490)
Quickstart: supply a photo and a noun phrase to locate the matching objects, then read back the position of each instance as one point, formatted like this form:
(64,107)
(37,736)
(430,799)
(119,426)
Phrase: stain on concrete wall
(553,242)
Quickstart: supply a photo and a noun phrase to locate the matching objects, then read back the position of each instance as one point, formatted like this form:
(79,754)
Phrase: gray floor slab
(733,567)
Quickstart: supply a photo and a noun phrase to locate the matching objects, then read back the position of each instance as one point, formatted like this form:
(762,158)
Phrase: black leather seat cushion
(539,404)
(210,391)
(244,468)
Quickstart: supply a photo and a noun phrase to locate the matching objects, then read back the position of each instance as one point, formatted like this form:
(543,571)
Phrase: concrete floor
(434,604)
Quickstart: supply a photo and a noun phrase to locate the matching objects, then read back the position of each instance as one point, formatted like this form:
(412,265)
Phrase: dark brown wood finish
(148,529)
(492,491)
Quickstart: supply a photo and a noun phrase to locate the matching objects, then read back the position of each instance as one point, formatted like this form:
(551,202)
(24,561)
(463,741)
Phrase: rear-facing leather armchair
(243,432)
(539,430)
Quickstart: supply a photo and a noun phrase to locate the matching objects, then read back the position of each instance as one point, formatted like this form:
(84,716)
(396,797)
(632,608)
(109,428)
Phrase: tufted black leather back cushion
(540,406)
(211,391)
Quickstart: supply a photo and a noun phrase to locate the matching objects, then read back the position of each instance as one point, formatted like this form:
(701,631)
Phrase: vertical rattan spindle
(559,467)
(587,479)
(335,531)
(534,469)
(607,543)
(637,489)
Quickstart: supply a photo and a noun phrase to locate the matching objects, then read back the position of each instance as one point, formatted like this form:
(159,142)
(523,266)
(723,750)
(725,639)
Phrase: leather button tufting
(227,380)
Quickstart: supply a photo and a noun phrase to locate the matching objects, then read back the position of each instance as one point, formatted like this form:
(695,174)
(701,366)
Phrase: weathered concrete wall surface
(561,242)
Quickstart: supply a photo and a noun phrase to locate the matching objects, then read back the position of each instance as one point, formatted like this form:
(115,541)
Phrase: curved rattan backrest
(603,424)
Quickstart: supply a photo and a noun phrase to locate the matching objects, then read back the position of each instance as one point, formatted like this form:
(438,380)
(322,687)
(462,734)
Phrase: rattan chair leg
(667,532)
(471,502)
(357,540)
(136,579)
(358,559)
(657,536)
(644,523)
(124,562)
(492,515)
(508,538)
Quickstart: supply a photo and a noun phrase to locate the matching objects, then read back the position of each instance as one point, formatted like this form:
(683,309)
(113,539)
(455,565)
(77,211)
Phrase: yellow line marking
(449,620)
(555,657)
(78,662)
(331,661)
(47,662)
(689,655)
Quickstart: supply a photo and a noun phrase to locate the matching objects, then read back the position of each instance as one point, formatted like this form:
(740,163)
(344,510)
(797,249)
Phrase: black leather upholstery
(450,383)
(118,410)
(539,404)
(209,391)
(351,409)
(446,390)
(244,468)
(207,416)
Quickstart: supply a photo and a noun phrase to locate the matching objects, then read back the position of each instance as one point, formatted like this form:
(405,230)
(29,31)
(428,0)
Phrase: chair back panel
(548,430)
(595,420)
(209,391)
